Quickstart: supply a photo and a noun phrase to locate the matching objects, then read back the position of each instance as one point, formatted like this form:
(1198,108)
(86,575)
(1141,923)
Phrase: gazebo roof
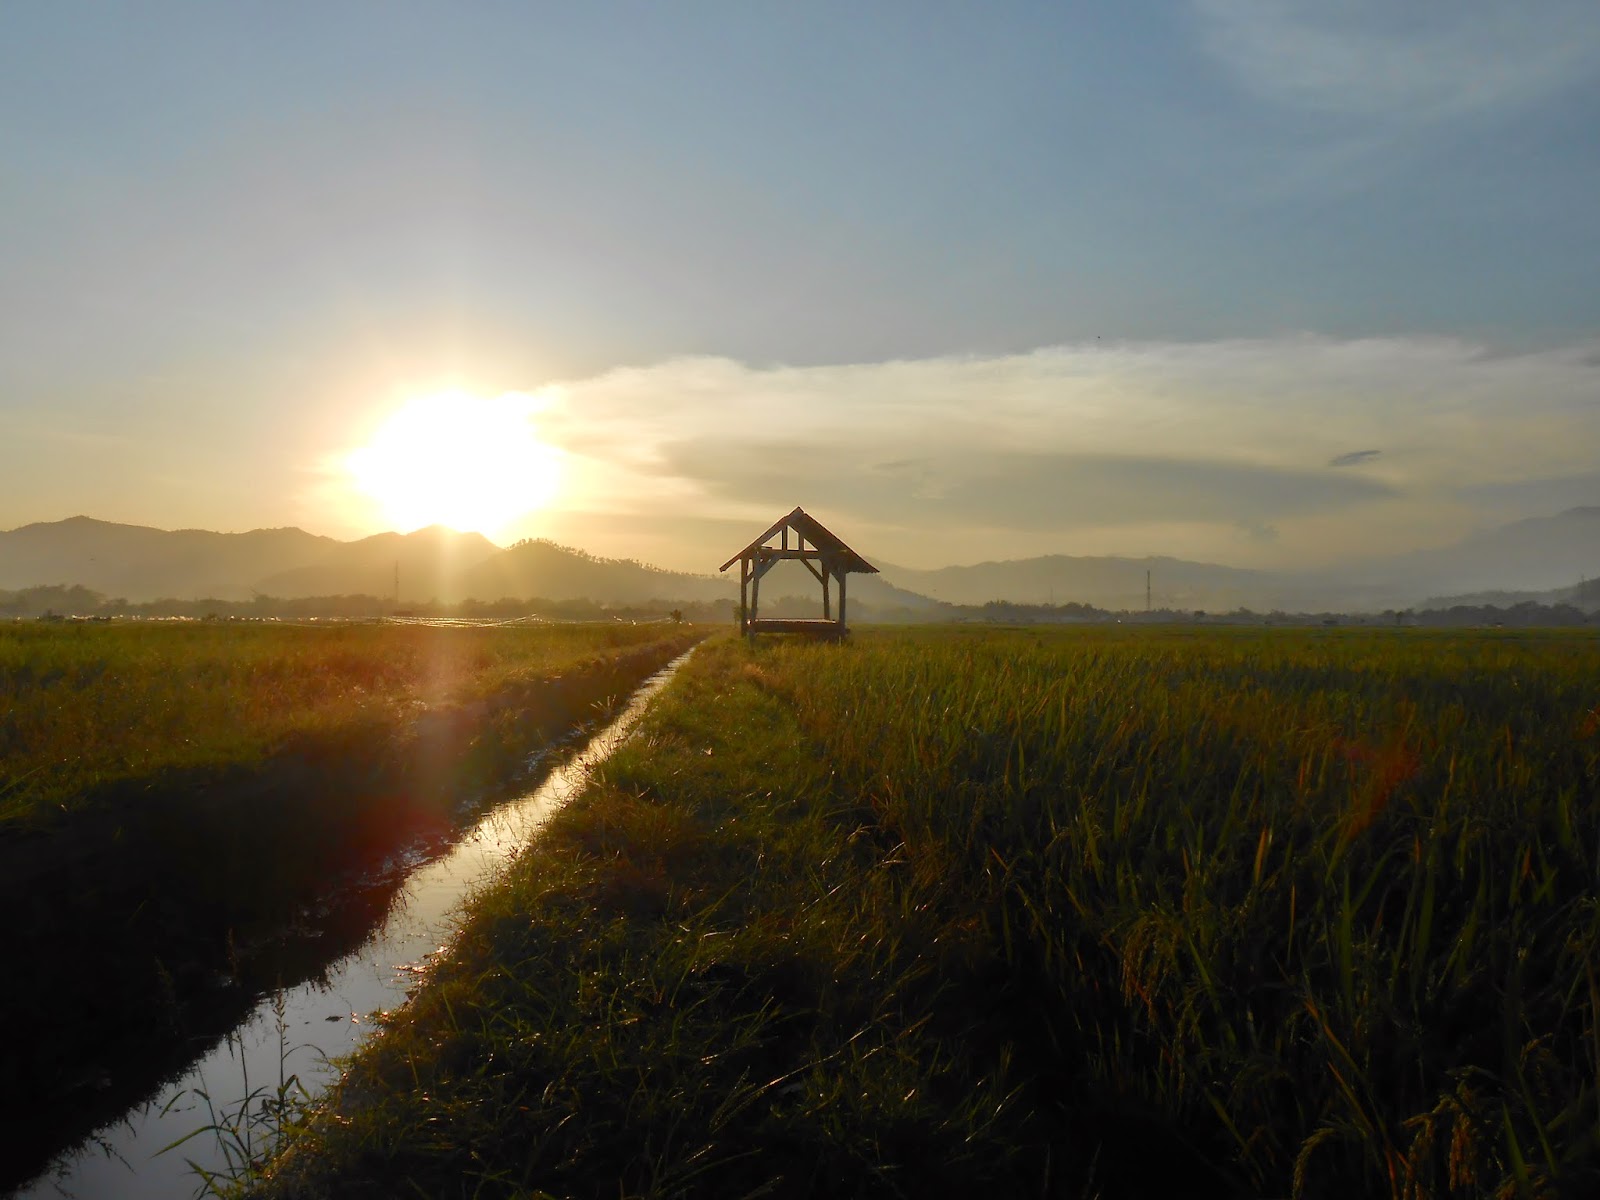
(813,531)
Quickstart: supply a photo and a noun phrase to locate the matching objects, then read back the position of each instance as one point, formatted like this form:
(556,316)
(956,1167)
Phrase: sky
(1271,284)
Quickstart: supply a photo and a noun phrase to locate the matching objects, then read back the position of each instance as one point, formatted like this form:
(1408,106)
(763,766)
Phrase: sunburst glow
(456,459)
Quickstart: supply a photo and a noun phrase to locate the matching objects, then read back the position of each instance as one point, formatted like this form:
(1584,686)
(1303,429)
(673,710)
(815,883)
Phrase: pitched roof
(813,531)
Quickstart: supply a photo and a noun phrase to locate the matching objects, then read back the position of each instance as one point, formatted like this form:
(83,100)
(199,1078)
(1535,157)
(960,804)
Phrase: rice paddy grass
(1083,912)
(87,705)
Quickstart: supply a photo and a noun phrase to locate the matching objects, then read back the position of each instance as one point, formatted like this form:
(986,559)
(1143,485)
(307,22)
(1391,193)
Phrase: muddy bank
(145,931)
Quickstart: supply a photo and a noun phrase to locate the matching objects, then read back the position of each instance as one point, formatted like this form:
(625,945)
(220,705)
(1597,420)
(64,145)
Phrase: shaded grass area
(152,912)
(1046,913)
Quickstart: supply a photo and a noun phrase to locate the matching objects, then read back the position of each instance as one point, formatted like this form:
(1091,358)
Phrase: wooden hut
(801,537)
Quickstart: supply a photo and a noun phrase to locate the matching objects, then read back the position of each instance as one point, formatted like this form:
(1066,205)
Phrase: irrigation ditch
(171,983)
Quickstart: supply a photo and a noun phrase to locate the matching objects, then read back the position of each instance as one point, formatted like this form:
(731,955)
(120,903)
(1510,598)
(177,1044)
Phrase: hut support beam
(744,595)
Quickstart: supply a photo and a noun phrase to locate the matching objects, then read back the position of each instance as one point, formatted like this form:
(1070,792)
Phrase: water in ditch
(295,1031)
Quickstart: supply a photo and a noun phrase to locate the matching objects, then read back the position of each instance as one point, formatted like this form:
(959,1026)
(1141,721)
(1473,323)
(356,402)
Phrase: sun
(453,458)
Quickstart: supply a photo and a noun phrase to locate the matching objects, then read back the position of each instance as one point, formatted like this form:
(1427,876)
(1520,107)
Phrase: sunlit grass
(1330,896)
(83,706)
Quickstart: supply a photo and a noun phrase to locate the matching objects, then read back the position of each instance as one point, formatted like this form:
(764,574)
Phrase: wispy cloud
(1036,492)
(1196,449)
(1353,458)
(1406,62)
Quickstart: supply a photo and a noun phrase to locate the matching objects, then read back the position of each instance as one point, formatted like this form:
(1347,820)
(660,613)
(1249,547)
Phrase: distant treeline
(77,601)
(1526,613)
(584,555)
(1523,615)
(74,600)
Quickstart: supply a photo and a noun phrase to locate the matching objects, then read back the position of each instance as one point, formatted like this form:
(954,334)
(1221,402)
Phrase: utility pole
(1147,591)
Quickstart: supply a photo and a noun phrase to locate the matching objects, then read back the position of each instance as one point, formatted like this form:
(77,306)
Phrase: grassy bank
(192,790)
(1066,913)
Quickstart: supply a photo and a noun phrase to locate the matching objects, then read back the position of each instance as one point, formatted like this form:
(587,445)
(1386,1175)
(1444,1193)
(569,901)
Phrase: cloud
(1019,490)
(1195,449)
(1257,531)
(1539,495)
(1354,457)
(1412,63)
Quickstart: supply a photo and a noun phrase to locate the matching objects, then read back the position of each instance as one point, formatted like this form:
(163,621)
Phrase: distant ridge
(542,568)
(141,563)
(1536,554)
(1105,582)
(1540,558)
(138,563)
(1584,596)
(429,561)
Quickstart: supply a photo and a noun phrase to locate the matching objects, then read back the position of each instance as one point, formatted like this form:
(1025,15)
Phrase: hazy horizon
(1234,281)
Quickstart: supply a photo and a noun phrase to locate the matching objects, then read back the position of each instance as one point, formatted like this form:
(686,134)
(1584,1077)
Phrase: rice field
(1078,912)
(1331,896)
(84,706)
(193,814)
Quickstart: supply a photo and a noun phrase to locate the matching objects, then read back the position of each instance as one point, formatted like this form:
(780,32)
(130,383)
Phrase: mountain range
(1542,558)
(1537,554)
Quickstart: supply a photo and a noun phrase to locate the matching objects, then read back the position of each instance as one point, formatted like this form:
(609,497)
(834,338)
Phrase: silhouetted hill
(142,563)
(878,592)
(436,563)
(542,568)
(1106,582)
(1535,555)
(431,563)
(1584,596)
(1535,559)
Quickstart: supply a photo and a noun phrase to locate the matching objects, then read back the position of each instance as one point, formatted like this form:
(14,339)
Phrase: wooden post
(755,591)
(827,612)
(843,579)
(744,595)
